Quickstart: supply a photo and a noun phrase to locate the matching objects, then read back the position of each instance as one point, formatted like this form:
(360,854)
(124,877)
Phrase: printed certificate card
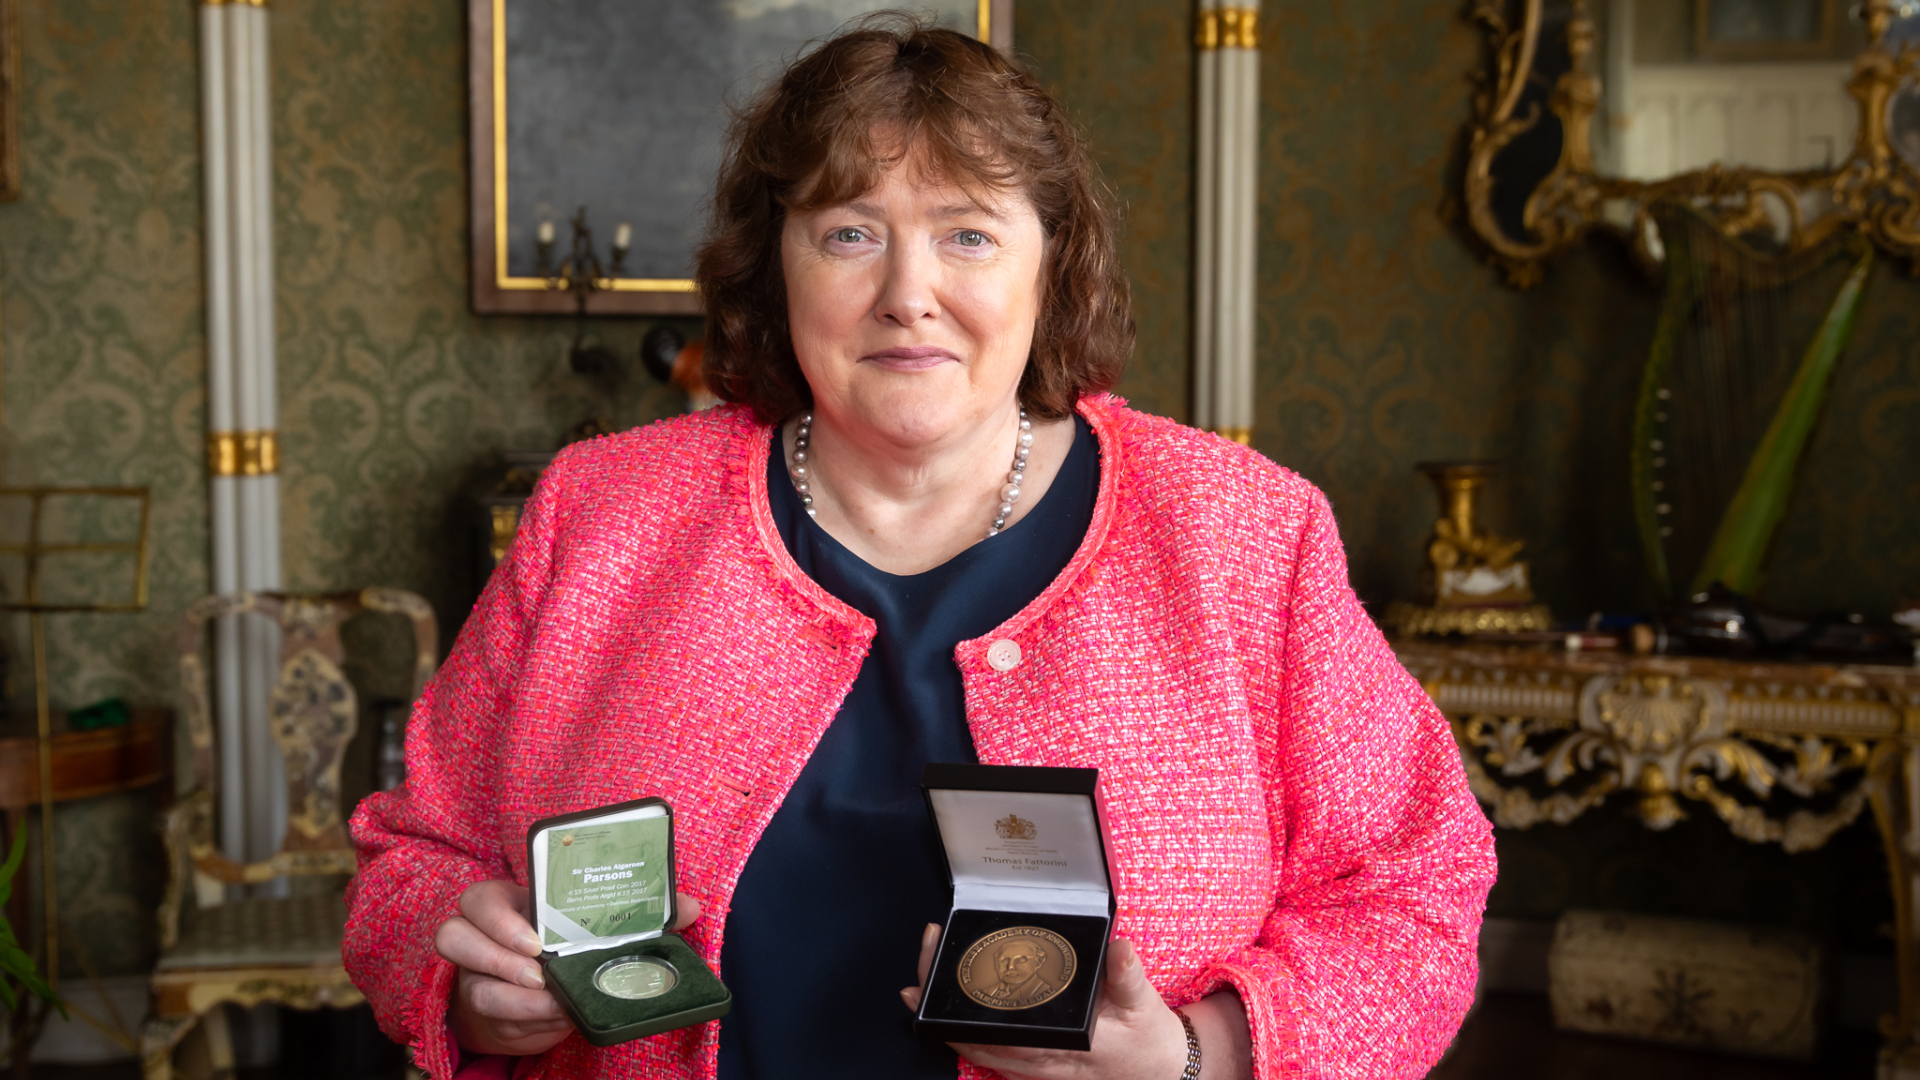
(606,879)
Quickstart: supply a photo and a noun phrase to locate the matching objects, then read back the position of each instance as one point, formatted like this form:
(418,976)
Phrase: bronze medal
(1017,968)
(634,978)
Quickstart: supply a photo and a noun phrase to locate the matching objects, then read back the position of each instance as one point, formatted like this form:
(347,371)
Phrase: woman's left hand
(1136,1036)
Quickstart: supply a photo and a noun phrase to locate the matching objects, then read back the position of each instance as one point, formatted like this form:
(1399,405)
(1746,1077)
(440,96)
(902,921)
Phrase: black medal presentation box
(602,888)
(1024,951)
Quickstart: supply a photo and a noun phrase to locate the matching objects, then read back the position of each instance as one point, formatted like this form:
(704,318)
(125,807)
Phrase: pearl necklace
(1009,494)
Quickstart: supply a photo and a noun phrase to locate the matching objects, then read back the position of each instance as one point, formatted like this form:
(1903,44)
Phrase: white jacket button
(1003,655)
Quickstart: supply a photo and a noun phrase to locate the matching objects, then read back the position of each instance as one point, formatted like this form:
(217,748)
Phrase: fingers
(497,909)
(500,1004)
(492,1017)
(685,910)
(1137,1036)
(929,941)
(463,945)
(1127,985)
(1020,1060)
(500,1001)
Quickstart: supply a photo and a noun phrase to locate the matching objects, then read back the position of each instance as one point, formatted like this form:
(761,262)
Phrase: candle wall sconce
(581,274)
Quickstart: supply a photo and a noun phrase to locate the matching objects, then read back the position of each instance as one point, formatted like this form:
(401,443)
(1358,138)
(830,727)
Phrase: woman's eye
(848,236)
(970,238)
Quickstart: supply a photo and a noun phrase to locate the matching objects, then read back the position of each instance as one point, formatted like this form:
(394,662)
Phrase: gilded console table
(1785,753)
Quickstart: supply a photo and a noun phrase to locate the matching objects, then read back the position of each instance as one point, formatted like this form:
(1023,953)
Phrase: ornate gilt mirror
(1784,121)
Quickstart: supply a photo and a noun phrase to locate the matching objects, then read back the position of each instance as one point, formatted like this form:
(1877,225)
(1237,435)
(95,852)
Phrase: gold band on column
(218,3)
(223,453)
(1228,28)
(1249,30)
(259,453)
(1241,435)
(1206,33)
(243,453)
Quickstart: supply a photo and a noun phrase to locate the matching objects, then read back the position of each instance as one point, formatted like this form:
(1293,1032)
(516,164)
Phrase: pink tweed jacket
(1289,816)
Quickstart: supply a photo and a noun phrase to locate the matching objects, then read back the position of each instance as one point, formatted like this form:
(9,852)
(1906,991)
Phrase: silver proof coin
(634,978)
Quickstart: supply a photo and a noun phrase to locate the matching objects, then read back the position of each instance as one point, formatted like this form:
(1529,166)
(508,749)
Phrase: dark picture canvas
(1756,21)
(621,106)
(1763,29)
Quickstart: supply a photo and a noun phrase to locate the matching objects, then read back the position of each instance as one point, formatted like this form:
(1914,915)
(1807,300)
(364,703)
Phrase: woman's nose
(908,293)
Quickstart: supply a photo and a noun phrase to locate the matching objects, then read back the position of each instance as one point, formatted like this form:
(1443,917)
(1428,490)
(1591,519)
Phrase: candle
(546,232)
(622,236)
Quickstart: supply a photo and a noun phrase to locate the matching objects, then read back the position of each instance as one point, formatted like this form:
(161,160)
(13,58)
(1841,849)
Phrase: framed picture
(1903,123)
(618,108)
(9,103)
(1763,29)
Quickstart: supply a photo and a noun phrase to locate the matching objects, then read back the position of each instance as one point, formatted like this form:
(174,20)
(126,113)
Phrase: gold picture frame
(498,291)
(1874,190)
(9,103)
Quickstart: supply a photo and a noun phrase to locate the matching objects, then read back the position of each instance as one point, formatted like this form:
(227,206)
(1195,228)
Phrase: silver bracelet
(1192,1071)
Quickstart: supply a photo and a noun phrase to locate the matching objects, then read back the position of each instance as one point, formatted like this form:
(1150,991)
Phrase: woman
(923,533)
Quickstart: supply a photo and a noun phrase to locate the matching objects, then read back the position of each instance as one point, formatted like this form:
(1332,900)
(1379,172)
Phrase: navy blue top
(827,918)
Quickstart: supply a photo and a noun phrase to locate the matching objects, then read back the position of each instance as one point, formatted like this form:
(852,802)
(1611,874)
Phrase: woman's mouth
(910,358)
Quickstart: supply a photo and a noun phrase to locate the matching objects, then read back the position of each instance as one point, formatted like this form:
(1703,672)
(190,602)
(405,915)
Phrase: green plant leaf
(20,966)
(14,960)
(12,865)
(1740,542)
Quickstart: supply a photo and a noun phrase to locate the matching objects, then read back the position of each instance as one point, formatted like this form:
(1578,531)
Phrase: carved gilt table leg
(1894,786)
(158,1037)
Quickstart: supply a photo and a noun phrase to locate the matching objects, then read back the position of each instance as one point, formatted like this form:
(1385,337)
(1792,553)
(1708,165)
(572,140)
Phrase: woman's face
(912,308)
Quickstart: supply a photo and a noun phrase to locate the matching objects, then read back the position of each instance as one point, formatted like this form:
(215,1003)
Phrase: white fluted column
(1226,195)
(1206,211)
(242,443)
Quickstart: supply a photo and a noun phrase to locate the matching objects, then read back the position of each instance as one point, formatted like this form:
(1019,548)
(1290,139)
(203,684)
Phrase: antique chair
(265,949)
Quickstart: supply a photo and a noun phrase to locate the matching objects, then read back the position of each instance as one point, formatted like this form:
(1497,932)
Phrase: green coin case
(602,890)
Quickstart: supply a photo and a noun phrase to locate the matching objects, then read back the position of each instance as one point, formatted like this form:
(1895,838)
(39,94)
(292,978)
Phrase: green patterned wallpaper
(100,383)
(1384,341)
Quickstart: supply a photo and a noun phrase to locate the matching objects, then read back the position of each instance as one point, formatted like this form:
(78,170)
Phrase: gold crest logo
(566,839)
(1015,827)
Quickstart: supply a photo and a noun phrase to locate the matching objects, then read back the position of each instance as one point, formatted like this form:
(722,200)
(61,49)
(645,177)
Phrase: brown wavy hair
(864,100)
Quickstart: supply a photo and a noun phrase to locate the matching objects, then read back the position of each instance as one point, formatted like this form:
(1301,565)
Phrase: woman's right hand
(500,1000)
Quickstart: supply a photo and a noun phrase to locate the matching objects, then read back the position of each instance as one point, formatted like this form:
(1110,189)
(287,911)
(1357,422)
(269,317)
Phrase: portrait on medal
(1017,963)
(1017,968)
